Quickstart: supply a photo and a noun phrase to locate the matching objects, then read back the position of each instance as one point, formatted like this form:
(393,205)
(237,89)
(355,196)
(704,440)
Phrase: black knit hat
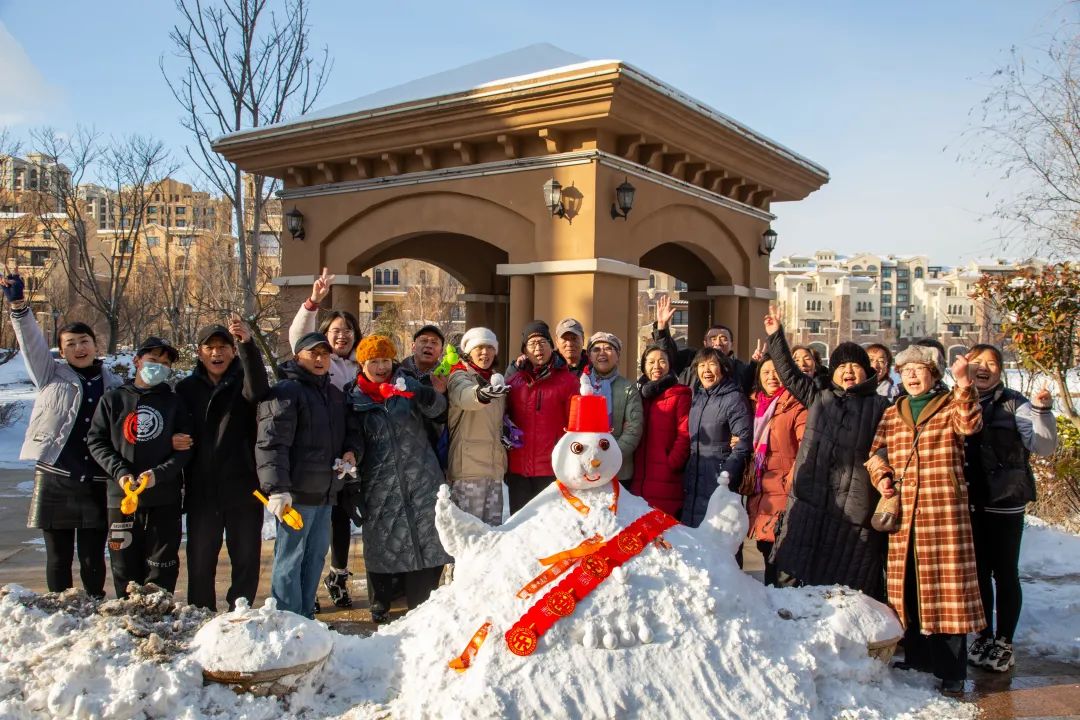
(849,352)
(534,329)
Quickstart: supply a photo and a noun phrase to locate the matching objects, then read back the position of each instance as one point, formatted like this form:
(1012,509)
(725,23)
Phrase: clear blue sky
(879,93)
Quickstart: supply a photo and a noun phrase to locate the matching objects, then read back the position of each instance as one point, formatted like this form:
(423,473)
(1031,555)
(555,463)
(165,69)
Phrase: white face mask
(153,373)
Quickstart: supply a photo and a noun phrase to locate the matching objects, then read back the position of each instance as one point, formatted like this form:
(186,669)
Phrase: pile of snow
(719,644)
(1050,580)
(252,641)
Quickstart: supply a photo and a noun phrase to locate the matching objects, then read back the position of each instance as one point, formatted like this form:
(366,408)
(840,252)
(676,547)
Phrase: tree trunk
(1066,399)
(113,319)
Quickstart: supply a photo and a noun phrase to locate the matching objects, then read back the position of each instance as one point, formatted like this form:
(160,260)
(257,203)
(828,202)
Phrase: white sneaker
(1000,656)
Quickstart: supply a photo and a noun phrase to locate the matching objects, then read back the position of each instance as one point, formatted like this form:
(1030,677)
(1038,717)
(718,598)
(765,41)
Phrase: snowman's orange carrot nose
(595,463)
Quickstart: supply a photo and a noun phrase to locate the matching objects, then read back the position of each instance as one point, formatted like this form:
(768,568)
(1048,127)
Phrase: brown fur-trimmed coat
(934,501)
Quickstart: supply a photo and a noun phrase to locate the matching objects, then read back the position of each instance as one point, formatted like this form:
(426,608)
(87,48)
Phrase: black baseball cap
(210,331)
(430,330)
(311,340)
(155,343)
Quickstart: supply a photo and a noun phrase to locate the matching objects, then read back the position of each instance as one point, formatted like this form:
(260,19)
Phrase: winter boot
(978,650)
(1000,656)
(336,584)
(379,613)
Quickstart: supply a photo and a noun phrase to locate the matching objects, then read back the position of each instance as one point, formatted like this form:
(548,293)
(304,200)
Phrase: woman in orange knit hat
(399,476)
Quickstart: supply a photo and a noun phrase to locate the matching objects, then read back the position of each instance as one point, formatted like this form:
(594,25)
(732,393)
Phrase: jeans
(299,556)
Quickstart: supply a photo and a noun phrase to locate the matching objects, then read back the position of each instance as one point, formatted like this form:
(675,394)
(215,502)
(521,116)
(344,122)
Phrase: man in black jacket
(301,433)
(131,439)
(682,360)
(221,395)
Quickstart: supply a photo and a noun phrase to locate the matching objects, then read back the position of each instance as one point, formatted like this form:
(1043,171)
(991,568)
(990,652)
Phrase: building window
(125,246)
(181,210)
(181,223)
(185,242)
(886,286)
(871,268)
(152,241)
(39,258)
(422,278)
(918,273)
(180,263)
(681,286)
(152,210)
(394,277)
(652,281)
(679,318)
(378,276)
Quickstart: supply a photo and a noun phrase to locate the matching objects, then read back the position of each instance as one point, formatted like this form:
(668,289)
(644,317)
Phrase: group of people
(349,434)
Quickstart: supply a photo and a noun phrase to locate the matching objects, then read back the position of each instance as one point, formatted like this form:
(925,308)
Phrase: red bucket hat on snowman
(588,412)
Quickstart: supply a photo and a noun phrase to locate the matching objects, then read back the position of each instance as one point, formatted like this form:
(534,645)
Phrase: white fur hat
(928,356)
(477,336)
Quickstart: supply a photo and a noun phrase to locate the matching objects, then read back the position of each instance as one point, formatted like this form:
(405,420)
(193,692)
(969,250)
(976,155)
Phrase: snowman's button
(560,603)
(521,641)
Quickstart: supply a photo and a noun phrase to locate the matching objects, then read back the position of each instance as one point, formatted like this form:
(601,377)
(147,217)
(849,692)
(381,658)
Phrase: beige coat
(476,449)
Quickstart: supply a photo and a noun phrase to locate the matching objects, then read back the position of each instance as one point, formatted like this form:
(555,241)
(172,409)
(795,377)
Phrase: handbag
(887,514)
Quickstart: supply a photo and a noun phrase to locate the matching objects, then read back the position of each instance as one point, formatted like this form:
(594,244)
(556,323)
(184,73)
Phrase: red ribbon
(561,600)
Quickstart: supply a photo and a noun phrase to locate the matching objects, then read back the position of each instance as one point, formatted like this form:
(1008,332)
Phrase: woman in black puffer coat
(825,536)
(718,414)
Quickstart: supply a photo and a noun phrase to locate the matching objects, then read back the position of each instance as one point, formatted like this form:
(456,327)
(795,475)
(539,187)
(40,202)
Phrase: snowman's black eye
(604,444)
(577,448)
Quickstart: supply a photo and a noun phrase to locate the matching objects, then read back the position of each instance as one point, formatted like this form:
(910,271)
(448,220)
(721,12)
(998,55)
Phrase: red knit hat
(588,412)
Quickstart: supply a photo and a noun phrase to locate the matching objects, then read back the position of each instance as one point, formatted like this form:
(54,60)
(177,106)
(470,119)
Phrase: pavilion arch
(698,231)
(448,215)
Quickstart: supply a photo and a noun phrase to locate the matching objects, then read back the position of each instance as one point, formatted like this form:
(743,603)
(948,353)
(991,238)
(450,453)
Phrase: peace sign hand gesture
(321,288)
(772,320)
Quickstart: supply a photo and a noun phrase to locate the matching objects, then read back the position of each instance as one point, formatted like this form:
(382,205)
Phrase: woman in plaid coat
(931,576)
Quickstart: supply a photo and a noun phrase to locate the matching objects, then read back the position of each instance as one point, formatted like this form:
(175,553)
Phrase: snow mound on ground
(247,640)
(721,644)
(1050,580)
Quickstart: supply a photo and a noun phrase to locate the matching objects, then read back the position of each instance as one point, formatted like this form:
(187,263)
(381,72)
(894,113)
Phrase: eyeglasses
(340,331)
(536,345)
(913,369)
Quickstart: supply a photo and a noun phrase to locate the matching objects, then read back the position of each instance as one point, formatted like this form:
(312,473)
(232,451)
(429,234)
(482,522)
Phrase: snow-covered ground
(1050,578)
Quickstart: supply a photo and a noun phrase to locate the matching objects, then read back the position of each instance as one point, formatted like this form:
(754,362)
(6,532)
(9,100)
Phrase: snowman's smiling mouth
(591,477)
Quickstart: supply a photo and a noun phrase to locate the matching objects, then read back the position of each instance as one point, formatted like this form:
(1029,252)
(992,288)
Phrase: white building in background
(826,299)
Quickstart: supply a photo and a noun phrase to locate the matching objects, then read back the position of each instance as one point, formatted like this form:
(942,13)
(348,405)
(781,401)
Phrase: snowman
(598,539)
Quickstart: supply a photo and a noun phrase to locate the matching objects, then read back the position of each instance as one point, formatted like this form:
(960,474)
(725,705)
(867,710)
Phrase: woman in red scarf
(779,423)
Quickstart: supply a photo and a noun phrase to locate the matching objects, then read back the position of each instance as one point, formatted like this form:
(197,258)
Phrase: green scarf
(918,402)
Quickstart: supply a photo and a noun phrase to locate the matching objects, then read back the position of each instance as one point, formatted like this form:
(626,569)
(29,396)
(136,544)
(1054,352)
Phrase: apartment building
(826,298)
(36,173)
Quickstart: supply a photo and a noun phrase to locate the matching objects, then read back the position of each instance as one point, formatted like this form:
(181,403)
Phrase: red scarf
(379,392)
(486,374)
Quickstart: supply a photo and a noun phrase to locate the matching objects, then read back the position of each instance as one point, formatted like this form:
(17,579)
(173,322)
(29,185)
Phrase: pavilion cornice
(613,109)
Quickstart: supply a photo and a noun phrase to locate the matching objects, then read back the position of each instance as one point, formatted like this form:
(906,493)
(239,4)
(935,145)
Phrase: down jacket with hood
(540,406)
(717,416)
(825,536)
(301,433)
(399,477)
(665,444)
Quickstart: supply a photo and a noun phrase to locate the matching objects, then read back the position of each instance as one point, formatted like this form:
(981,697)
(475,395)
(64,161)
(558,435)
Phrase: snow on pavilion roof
(532,61)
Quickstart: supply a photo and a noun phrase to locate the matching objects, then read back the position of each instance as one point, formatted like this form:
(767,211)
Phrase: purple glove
(513,437)
(13,287)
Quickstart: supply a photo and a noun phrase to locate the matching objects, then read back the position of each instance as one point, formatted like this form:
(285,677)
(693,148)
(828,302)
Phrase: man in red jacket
(539,403)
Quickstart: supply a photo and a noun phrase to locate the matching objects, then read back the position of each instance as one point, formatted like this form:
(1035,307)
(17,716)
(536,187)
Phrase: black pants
(522,489)
(419,584)
(242,529)
(145,547)
(60,551)
(340,537)
(997,555)
(944,654)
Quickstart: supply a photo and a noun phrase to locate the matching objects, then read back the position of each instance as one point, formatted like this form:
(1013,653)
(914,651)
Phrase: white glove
(278,503)
(150,479)
(343,468)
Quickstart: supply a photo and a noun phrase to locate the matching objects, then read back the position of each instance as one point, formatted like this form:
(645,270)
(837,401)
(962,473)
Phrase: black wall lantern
(768,242)
(624,200)
(294,220)
(553,198)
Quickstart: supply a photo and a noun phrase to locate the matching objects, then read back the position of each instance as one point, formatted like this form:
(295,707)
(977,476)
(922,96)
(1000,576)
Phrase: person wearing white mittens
(301,433)
(477,458)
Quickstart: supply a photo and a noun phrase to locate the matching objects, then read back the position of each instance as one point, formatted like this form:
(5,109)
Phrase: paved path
(1036,688)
